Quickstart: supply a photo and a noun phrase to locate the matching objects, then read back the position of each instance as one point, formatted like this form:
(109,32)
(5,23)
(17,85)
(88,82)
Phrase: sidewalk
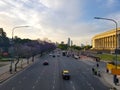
(4,70)
(107,77)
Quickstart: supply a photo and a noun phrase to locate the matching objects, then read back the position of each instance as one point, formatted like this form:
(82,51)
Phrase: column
(119,41)
(112,41)
(108,42)
(114,38)
(104,42)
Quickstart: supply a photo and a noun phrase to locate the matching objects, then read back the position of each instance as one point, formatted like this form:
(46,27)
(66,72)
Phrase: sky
(58,20)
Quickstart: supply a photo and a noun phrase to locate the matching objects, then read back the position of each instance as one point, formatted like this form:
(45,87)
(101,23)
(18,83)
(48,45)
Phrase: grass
(108,57)
(5,59)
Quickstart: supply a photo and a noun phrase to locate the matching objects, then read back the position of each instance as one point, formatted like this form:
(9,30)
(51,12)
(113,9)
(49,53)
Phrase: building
(69,41)
(106,41)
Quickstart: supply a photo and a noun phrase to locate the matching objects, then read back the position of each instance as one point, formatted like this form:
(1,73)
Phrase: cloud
(110,2)
(54,19)
(116,17)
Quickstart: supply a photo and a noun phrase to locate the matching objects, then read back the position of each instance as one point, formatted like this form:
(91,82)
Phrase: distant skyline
(69,42)
(58,19)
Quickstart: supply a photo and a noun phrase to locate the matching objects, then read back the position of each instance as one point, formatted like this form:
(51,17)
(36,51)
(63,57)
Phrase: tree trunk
(21,63)
(16,64)
(27,60)
(32,58)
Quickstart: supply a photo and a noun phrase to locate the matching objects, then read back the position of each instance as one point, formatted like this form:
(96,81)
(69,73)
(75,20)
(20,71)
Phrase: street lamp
(15,28)
(12,42)
(116,33)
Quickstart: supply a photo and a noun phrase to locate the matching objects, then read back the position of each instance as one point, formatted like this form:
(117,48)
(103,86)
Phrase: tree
(21,41)
(76,47)
(87,47)
(63,46)
(22,51)
(4,41)
(26,48)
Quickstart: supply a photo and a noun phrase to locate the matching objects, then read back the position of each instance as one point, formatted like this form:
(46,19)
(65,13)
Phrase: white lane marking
(53,87)
(13,88)
(39,77)
(36,81)
(19,82)
(72,85)
(24,78)
(54,81)
(43,71)
(90,86)
(33,87)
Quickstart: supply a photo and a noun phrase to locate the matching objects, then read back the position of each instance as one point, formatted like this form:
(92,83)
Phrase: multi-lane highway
(40,77)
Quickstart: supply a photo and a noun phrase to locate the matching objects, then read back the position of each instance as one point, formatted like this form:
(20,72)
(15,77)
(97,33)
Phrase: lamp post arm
(15,28)
(13,32)
(116,34)
(106,19)
(12,43)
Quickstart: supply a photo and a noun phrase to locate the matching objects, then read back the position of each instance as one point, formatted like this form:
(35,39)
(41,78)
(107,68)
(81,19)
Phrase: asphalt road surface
(40,77)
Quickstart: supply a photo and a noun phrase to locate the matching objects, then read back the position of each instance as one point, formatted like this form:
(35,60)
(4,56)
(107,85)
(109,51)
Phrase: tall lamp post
(116,34)
(13,42)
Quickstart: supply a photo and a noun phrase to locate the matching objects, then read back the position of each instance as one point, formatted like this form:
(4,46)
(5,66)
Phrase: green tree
(4,41)
(87,47)
(21,41)
(63,46)
(76,47)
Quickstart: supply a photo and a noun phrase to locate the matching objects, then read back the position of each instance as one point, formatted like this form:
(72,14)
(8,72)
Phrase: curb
(103,78)
(111,86)
(2,80)
(18,71)
(13,74)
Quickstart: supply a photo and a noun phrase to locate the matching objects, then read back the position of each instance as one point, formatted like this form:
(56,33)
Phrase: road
(40,77)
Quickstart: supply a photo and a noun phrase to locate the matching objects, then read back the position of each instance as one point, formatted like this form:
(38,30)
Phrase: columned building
(106,40)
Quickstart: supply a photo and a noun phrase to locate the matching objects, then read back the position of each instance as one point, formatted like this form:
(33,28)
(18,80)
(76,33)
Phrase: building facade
(69,42)
(106,40)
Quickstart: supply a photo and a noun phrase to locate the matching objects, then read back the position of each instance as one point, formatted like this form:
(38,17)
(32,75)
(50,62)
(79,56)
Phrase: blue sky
(58,19)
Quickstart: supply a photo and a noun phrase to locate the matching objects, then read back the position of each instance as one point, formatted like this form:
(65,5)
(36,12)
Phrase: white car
(50,54)
(76,56)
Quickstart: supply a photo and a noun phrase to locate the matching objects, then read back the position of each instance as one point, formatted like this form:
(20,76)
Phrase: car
(53,55)
(50,54)
(45,63)
(76,56)
(65,74)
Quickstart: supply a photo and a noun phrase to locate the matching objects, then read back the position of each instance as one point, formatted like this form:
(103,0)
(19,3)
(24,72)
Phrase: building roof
(107,33)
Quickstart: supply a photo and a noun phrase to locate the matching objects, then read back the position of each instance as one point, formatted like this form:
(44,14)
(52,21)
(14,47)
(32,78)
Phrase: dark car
(65,74)
(53,55)
(45,63)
